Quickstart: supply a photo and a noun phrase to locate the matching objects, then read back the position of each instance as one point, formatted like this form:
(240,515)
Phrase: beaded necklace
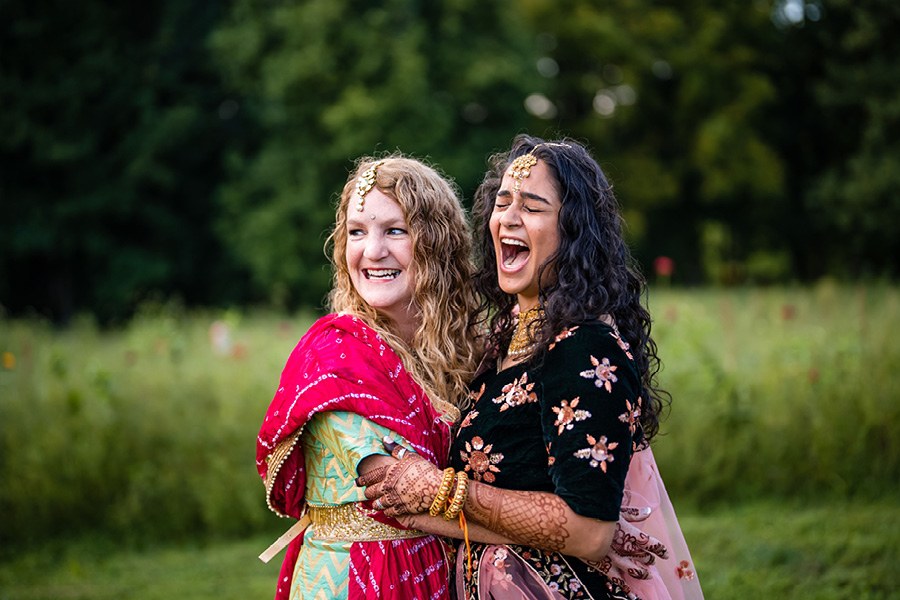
(522,341)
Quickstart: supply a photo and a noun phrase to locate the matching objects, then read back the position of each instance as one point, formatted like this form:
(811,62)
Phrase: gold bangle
(459,496)
(440,501)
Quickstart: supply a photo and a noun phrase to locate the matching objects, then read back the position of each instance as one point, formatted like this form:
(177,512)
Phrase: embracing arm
(538,519)
(377,465)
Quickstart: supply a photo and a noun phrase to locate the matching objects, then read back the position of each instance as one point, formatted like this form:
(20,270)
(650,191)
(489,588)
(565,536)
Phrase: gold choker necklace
(522,342)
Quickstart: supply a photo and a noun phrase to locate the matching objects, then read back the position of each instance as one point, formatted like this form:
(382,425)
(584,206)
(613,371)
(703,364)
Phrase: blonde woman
(392,360)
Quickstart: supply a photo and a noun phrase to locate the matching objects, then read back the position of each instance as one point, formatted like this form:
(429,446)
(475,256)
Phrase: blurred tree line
(194,149)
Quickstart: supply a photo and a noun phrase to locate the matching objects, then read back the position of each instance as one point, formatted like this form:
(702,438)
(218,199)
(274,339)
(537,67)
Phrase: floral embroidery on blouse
(599,452)
(684,571)
(480,461)
(604,373)
(553,570)
(626,348)
(516,393)
(632,415)
(565,334)
(476,396)
(469,418)
(567,414)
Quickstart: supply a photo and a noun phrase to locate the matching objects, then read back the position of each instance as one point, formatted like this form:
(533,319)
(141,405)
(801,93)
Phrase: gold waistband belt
(349,522)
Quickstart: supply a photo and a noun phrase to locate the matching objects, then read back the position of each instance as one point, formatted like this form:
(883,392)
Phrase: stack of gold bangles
(452,506)
(443,502)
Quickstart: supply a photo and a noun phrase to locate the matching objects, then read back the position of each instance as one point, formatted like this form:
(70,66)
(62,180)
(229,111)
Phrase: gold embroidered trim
(349,522)
(274,461)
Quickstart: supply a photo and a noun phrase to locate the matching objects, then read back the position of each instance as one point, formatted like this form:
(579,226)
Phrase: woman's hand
(406,487)
(632,551)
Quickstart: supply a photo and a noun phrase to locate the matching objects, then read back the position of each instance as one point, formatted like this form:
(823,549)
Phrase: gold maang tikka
(364,185)
(521,168)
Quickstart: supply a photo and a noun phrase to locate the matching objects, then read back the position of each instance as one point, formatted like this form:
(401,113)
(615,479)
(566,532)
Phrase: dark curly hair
(594,272)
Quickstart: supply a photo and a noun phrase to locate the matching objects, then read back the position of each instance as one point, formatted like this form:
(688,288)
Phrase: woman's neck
(526,304)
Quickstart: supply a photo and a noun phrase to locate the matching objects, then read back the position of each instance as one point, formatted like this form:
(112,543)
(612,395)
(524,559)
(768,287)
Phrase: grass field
(824,551)
(781,449)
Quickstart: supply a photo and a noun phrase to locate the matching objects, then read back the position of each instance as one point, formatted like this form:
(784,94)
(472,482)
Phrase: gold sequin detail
(522,341)
(274,462)
(348,522)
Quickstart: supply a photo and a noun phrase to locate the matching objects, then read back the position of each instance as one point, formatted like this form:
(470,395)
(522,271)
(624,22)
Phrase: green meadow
(127,455)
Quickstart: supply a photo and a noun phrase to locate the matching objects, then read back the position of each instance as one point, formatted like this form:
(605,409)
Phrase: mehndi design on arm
(537,519)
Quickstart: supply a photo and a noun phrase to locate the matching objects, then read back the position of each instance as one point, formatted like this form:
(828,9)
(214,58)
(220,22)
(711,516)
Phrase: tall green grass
(787,392)
(147,433)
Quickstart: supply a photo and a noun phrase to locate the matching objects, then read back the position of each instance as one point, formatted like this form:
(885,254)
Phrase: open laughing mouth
(514,253)
(381,274)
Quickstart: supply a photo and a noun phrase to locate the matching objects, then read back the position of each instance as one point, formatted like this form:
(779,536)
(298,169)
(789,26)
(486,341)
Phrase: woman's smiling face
(380,257)
(524,227)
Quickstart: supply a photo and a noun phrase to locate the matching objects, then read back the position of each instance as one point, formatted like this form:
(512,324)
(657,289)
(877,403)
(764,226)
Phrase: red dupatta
(340,364)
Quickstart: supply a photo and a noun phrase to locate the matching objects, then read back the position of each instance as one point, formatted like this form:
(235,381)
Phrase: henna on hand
(632,551)
(406,487)
(410,486)
(631,542)
(372,477)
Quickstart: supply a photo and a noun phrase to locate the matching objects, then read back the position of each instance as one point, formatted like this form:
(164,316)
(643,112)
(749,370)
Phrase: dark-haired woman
(568,406)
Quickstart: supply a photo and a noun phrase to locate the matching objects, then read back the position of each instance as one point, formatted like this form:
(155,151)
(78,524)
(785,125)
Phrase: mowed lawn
(762,549)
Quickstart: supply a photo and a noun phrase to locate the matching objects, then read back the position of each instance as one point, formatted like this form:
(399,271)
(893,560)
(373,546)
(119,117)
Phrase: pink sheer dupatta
(673,577)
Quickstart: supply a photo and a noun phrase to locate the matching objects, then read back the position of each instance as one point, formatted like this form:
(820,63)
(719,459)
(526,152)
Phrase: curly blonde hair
(446,345)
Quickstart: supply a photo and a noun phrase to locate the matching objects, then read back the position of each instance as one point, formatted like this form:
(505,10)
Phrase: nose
(375,248)
(512,216)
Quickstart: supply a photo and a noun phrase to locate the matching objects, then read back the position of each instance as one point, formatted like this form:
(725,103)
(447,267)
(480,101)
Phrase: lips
(381,274)
(514,253)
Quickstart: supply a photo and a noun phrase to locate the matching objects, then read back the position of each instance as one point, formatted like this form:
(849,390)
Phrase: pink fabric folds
(673,577)
(399,570)
(341,364)
(503,575)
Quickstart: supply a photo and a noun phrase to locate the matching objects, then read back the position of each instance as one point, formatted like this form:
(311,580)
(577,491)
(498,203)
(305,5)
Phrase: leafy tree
(331,80)
(850,156)
(673,100)
(111,147)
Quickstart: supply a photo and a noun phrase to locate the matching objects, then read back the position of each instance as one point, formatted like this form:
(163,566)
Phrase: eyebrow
(527,195)
(357,221)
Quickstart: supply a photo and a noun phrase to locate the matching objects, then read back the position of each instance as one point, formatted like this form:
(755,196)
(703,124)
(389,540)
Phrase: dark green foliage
(194,149)
(111,149)
(331,81)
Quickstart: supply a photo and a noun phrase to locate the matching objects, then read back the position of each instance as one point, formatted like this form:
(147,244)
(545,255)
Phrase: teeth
(378,273)
(513,242)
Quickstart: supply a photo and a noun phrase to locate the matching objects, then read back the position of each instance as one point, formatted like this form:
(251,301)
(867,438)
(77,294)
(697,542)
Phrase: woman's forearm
(440,526)
(538,519)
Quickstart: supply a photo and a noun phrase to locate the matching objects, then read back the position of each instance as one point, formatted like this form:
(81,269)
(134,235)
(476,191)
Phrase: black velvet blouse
(568,427)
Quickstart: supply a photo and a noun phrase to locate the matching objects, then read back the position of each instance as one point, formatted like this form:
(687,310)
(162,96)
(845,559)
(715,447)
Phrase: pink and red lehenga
(341,364)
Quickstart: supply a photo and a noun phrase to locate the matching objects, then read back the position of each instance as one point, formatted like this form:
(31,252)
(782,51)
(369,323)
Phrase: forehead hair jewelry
(521,166)
(364,185)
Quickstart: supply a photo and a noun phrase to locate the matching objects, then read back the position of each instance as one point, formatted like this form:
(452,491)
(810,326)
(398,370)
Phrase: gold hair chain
(364,185)
(521,168)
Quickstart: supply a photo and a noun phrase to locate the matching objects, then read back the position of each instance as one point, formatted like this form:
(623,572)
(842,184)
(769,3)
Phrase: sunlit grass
(147,432)
(762,549)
